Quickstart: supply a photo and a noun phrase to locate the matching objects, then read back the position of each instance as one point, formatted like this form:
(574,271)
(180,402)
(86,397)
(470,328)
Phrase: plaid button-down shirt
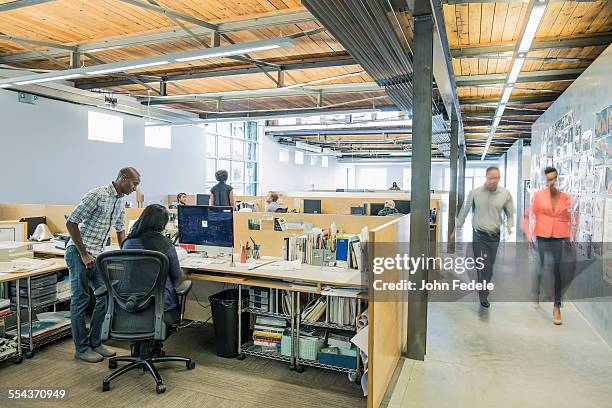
(99,210)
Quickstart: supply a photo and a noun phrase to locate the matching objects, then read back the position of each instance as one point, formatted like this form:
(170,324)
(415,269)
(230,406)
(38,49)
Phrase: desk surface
(58,265)
(307,273)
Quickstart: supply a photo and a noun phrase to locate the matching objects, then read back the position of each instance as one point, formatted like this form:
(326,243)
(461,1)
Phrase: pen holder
(257,251)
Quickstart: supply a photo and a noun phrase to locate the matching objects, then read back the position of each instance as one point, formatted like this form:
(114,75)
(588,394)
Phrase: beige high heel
(557,315)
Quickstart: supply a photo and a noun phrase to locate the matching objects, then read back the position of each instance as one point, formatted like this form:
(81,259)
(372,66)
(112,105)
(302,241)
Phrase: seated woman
(389,208)
(147,234)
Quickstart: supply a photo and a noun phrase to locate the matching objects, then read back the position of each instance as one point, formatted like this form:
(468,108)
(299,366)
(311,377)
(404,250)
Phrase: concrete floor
(509,356)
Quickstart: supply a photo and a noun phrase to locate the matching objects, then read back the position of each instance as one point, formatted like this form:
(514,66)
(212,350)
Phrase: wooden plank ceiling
(473,25)
(469,26)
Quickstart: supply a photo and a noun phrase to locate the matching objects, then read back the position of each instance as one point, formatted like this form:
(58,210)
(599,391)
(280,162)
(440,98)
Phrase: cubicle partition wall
(56,220)
(272,241)
(387,314)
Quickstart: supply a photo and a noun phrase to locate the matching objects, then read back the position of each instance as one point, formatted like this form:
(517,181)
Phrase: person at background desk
(222,194)
(181,199)
(394,187)
(272,202)
(389,208)
(147,234)
(487,203)
(551,213)
(99,210)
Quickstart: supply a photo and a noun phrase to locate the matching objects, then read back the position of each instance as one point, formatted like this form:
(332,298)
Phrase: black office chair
(134,283)
(281,210)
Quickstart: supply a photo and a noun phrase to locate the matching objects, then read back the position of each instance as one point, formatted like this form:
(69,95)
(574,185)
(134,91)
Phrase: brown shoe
(557,315)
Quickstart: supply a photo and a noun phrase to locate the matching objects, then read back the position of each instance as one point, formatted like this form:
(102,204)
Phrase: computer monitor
(339,190)
(32,223)
(202,199)
(209,228)
(312,206)
(358,210)
(376,207)
(402,206)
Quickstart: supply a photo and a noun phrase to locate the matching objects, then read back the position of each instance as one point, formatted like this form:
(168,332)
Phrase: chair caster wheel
(112,364)
(190,364)
(358,380)
(241,356)
(160,388)
(105,386)
(299,369)
(29,354)
(18,360)
(292,367)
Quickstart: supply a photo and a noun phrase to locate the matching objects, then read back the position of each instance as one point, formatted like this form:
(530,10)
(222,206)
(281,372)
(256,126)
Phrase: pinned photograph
(601,123)
(587,140)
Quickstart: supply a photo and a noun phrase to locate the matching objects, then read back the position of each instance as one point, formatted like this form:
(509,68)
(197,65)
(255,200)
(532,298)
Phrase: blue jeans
(81,279)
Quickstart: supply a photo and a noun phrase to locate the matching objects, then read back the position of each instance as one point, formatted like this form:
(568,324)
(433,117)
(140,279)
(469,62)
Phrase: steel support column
(461,178)
(452,195)
(420,185)
(75,59)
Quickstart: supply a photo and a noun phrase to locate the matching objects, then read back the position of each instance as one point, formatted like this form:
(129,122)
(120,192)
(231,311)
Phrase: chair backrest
(135,282)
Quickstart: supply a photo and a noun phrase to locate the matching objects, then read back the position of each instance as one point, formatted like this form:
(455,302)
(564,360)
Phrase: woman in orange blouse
(551,211)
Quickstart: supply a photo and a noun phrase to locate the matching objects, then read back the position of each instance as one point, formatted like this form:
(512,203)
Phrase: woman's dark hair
(221,175)
(550,169)
(179,195)
(153,218)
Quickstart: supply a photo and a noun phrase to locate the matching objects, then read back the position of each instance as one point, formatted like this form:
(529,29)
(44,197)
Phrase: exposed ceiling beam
(214,116)
(316,132)
(265,93)
(17,4)
(325,63)
(204,24)
(175,34)
(507,1)
(579,42)
(516,100)
(524,77)
(48,44)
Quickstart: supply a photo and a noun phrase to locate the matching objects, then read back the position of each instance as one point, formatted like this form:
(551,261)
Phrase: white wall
(278,176)
(395,173)
(47,157)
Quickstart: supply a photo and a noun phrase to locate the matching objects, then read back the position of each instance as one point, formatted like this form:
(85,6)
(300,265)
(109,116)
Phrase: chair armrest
(183,288)
(102,289)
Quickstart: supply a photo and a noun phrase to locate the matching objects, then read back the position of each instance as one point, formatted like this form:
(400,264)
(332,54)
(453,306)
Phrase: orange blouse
(549,222)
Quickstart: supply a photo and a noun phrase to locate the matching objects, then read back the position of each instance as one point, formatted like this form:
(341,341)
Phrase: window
(372,178)
(104,127)
(211,145)
(447,177)
(237,149)
(283,155)
(299,157)
(224,146)
(406,178)
(227,149)
(324,161)
(158,136)
(314,160)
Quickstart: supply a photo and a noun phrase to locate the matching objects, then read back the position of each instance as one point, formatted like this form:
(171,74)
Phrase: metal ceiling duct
(372,32)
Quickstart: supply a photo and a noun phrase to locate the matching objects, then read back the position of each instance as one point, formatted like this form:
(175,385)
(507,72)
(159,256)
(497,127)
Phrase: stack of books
(268,332)
(314,310)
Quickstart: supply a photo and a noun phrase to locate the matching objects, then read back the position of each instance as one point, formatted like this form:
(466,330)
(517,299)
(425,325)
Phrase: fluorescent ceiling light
(506,95)
(537,12)
(495,123)
(5,85)
(129,67)
(48,79)
(500,111)
(516,69)
(231,52)
(308,147)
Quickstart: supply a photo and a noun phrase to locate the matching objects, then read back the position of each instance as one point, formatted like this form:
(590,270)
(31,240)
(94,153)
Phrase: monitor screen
(202,199)
(402,206)
(376,207)
(312,206)
(358,211)
(206,225)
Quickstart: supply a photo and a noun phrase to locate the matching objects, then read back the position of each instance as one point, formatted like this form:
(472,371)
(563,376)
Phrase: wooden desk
(58,265)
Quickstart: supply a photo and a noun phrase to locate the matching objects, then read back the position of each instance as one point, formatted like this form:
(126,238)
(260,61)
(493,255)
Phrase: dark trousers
(553,246)
(485,246)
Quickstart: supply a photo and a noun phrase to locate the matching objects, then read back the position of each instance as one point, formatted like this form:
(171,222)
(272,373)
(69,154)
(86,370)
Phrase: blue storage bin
(338,360)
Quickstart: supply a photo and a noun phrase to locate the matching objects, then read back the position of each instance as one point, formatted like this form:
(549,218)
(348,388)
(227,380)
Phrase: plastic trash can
(224,307)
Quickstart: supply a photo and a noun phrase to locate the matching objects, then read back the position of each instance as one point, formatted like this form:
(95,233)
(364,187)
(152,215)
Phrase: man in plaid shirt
(89,226)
